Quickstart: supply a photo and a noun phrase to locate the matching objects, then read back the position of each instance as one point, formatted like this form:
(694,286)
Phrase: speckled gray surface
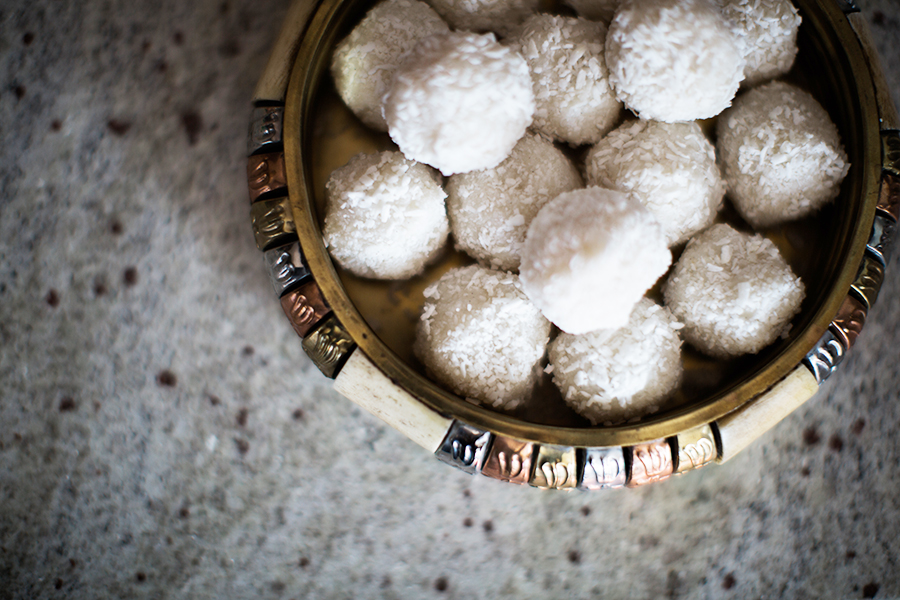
(162,434)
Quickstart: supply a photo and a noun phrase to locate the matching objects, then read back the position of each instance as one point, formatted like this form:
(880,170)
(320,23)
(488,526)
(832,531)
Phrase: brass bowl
(837,253)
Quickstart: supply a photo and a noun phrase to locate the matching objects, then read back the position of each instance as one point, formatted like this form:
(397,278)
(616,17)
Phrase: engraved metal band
(650,462)
(329,346)
(273,223)
(286,267)
(465,447)
(265,175)
(266,125)
(696,448)
(555,467)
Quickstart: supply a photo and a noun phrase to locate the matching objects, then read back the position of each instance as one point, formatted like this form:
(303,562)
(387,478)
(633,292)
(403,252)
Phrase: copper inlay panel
(889,196)
(849,321)
(868,282)
(651,462)
(265,173)
(509,460)
(305,307)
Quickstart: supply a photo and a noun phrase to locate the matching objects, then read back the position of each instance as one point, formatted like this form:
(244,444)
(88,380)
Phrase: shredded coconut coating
(768,29)
(574,102)
(669,167)
(499,16)
(490,210)
(481,336)
(595,10)
(364,63)
(673,60)
(616,375)
(781,154)
(384,216)
(460,102)
(733,291)
(589,257)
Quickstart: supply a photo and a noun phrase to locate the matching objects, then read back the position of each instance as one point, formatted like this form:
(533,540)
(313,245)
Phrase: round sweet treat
(490,210)
(384,216)
(615,375)
(499,16)
(589,257)
(364,62)
(480,336)
(673,60)
(573,100)
(460,102)
(595,10)
(781,154)
(669,167)
(768,29)
(733,291)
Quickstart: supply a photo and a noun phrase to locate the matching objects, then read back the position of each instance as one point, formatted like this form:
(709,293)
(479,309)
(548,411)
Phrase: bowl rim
(306,73)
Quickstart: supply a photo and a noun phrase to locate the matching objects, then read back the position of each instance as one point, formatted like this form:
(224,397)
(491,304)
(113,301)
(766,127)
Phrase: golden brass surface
(868,282)
(555,467)
(265,174)
(329,346)
(650,462)
(696,448)
(273,223)
(825,250)
(305,307)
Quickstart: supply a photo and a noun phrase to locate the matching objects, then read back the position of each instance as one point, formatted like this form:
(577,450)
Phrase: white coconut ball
(460,102)
(615,375)
(384,216)
(481,336)
(490,210)
(768,29)
(781,154)
(364,63)
(589,257)
(573,99)
(595,10)
(733,291)
(673,60)
(669,167)
(499,16)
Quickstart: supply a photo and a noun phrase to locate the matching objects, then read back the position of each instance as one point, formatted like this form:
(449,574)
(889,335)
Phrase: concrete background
(162,434)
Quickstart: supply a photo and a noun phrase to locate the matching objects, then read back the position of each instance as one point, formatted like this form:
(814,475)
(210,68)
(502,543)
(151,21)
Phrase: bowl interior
(824,250)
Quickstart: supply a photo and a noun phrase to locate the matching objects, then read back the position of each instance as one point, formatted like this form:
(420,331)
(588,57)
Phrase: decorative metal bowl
(360,332)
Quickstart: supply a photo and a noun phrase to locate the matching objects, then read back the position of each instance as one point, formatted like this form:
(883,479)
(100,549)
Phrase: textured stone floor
(162,434)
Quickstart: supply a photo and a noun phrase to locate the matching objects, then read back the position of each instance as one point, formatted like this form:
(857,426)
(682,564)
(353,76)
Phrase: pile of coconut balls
(488,100)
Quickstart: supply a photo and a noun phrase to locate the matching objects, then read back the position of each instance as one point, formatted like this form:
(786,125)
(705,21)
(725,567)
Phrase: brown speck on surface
(100,288)
(243,446)
(304,562)
(192,123)
(248,351)
(488,526)
(728,581)
(214,400)
(59,583)
(118,126)
(805,472)
(52,298)
(130,276)
(878,17)
(27,38)
(115,227)
(835,443)
(870,589)
(184,512)
(178,38)
(162,66)
(230,48)
(55,125)
(72,563)
(67,404)
(145,46)
(468,522)
(386,582)
(141,576)
(440,584)
(811,437)
(278,586)
(850,555)
(224,8)
(19,91)
(574,557)
(467,493)
(166,378)
(585,510)
(297,415)
(241,418)
(858,426)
